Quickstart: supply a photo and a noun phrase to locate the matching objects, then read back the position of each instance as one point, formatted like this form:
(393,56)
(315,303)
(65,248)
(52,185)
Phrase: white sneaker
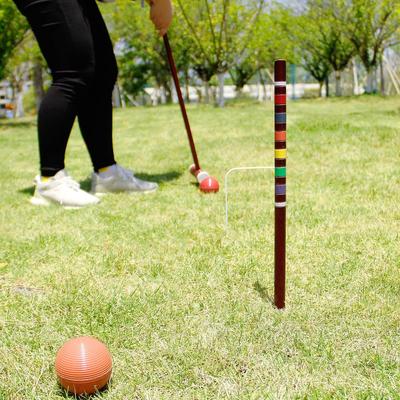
(118,179)
(61,189)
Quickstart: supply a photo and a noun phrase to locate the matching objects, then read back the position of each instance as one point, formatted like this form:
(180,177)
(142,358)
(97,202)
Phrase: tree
(269,41)
(18,71)
(311,47)
(38,68)
(13,27)
(220,32)
(24,63)
(372,26)
(141,55)
(315,63)
(323,41)
(337,47)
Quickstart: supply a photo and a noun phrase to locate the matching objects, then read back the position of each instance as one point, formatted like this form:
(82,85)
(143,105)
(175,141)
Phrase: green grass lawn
(184,304)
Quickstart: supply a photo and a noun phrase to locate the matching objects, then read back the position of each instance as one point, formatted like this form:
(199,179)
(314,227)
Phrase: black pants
(77,47)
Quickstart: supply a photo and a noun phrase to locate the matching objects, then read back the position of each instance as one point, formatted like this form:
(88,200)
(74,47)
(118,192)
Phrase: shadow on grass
(262,291)
(28,191)
(86,184)
(7,123)
(159,178)
(67,395)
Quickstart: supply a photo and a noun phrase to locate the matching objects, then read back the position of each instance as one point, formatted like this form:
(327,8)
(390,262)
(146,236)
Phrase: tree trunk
(370,81)
(356,89)
(38,83)
(163,97)
(187,84)
(327,86)
(259,93)
(155,97)
(199,94)
(338,86)
(206,92)
(321,84)
(382,73)
(14,97)
(264,89)
(174,95)
(18,97)
(221,81)
(19,110)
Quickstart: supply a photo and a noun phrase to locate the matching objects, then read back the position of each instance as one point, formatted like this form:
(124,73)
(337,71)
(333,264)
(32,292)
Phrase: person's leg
(95,113)
(66,43)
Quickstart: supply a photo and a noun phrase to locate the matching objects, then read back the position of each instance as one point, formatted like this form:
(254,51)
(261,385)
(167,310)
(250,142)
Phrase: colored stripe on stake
(280,172)
(280,136)
(280,99)
(280,118)
(280,183)
(280,153)
(280,190)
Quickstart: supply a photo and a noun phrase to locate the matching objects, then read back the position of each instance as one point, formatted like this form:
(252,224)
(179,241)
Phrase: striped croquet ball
(83,365)
(209,185)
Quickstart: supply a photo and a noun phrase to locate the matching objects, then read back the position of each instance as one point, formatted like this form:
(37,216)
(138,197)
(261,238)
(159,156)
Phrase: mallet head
(201,175)
(193,170)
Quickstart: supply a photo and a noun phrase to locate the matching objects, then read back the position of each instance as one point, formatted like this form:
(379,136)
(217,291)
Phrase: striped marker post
(280,182)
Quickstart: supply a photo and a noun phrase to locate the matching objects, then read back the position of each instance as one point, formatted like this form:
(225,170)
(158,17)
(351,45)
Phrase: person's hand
(161,15)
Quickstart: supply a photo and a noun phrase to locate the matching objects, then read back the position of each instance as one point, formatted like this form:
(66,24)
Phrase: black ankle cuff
(49,172)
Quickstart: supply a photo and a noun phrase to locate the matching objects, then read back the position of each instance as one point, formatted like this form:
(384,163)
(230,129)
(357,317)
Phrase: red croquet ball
(209,185)
(83,365)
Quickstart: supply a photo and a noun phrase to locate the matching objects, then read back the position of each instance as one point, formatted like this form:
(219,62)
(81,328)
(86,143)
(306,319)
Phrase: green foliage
(134,75)
(242,72)
(220,32)
(269,40)
(143,58)
(13,27)
(235,36)
(324,45)
(245,37)
(372,26)
(311,49)
(337,48)
(27,51)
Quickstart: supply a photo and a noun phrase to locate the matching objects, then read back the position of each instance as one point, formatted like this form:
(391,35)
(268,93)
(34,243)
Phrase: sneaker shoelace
(127,173)
(68,181)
